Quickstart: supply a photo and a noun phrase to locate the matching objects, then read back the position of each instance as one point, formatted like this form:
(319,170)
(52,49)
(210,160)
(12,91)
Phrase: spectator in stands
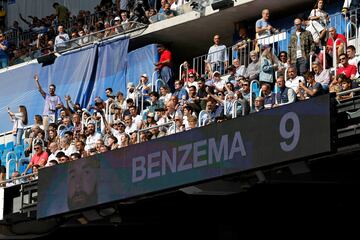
(311,89)
(217,58)
(283,62)
(80,148)
(180,92)
(130,126)
(92,137)
(61,39)
(4,45)
(14,175)
(20,120)
(82,183)
(317,31)
(262,26)
(346,85)
(39,158)
(268,66)
(351,5)
(240,69)
(154,102)
(268,95)
(66,146)
(53,137)
(66,126)
(301,46)
(259,104)
(353,59)
(319,15)
(253,70)
(245,91)
(232,74)
(293,80)
(52,101)
(321,75)
(62,13)
(54,149)
(347,69)
(168,11)
(164,66)
(340,44)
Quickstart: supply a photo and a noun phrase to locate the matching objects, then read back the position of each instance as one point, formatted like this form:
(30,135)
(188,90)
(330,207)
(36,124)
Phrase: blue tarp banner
(141,61)
(82,74)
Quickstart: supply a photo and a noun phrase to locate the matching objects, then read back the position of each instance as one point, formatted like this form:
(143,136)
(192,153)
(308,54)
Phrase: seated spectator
(293,80)
(259,104)
(311,89)
(268,95)
(335,84)
(322,76)
(350,71)
(345,86)
(285,95)
(39,158)
(353,59)
(340,45)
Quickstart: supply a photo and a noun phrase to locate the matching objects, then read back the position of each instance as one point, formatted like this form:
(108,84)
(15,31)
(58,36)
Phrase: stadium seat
(2,147)
(10,146)
(19,151)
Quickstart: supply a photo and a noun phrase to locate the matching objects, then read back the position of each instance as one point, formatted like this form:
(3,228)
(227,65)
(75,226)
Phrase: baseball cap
(216,72)
(117,19)
(144,75)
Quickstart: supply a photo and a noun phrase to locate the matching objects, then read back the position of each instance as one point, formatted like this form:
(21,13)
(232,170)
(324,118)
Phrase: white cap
(144,75)
(117,19)
(130,85)
(216,73)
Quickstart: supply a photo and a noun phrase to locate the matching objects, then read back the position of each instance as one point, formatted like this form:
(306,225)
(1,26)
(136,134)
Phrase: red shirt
(38,159)
(348,70)
(165,55)
(331,43)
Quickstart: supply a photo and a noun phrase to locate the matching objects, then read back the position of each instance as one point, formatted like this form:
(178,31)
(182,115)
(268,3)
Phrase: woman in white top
(318,14)
(20,120)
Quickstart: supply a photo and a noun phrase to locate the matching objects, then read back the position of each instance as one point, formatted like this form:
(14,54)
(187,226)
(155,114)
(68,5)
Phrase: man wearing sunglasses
(347,69)
(40,158)
(300,48)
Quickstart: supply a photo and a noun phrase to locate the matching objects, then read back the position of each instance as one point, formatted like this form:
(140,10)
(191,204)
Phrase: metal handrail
(156,83)
(251,91)
(157,126)
(234,107)
(351,24)
(202,112)
(109,111)
(8,161)
(225,101)
(153,80)
(58,129)
(18,178)
(348,91)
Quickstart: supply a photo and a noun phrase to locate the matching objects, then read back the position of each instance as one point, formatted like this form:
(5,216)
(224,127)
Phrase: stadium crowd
(44,35)
(67,131)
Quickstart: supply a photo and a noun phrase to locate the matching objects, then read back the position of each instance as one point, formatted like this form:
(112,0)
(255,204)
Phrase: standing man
(217,56)
(300,48)
(61,39)
(52,101)
(4,59)
(262,26)
(62,13)
(164,66)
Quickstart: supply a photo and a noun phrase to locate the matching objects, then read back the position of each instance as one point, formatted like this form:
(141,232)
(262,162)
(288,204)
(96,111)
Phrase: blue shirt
(3,53)
(261,23)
